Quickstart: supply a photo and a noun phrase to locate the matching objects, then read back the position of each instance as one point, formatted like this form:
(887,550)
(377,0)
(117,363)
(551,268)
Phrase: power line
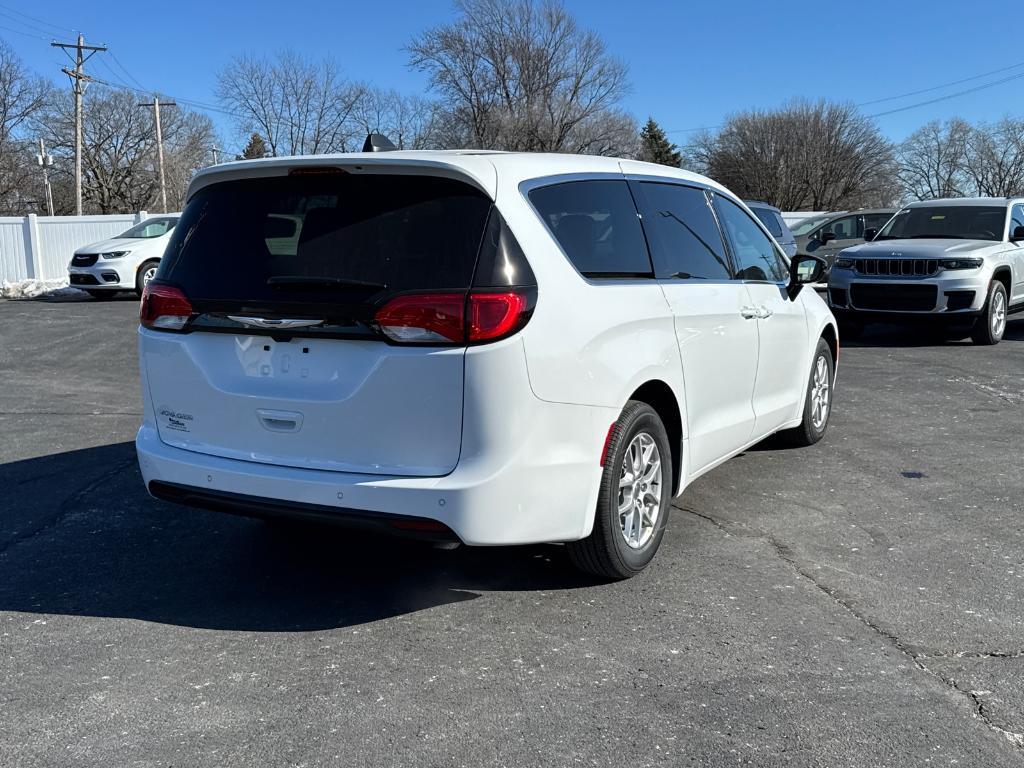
(28,24)
(26,34)
(123,69)
(57,27)
(944,85)
(950,96)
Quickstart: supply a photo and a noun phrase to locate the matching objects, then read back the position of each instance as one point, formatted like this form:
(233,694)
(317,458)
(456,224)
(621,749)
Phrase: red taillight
(164,308)
(424,318)
(431,318)
(492,315)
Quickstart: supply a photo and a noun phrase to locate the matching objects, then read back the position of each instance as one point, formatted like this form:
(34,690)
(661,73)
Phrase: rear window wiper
(306,281)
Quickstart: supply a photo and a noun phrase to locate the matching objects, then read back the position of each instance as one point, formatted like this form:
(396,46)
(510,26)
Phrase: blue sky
(691,62)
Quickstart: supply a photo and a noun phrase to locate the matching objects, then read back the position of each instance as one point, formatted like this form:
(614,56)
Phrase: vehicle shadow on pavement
(80,536)
(921,336)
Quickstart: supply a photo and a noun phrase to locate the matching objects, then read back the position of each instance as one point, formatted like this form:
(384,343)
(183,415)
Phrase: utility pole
(45,161)
(216,152)
(155,104)
(78,82)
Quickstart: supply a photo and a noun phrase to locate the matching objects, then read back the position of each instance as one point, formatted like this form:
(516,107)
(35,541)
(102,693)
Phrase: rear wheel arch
(659,395)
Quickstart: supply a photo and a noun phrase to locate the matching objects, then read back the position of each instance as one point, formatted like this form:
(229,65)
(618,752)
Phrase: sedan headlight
(114,254)
(961,263)
(844,262)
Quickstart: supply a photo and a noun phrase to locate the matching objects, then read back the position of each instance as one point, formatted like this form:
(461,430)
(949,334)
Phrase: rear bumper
(254,506)
(540,485)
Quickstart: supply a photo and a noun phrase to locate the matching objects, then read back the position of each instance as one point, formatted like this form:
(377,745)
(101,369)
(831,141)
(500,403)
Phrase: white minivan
(471,346)
(126,262)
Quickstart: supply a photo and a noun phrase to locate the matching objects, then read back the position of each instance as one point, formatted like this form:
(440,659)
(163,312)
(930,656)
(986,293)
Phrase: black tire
(807,433)
(984,331)
(139,282)
(102,295)
(605,552)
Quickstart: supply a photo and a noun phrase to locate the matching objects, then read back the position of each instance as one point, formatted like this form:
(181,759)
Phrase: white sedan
(123,263)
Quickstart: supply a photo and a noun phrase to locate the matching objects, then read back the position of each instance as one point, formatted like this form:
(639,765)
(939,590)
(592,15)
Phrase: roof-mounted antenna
(378,142)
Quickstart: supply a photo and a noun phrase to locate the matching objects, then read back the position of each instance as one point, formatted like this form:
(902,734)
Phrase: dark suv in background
(771,217)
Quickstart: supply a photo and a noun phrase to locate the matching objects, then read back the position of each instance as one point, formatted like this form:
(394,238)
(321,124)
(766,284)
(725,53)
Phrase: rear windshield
(326,238)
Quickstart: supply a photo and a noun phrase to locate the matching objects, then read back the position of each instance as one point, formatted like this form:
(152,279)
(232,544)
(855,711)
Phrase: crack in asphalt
(786,554)
(67,507)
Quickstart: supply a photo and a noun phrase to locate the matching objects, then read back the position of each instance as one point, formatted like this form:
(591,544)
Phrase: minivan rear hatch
(280,360)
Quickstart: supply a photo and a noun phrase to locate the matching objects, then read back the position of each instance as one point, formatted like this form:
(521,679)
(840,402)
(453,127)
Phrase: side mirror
(1017,235)
(827,237)
(803,270)
(869,234)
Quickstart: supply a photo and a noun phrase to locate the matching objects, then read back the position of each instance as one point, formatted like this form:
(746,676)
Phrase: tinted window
(754,254)
(596,224)
(770,219)
(846,228)
(1016,218)
(684,236)
(150,228)
(876,220)
(964,222)
(295,238)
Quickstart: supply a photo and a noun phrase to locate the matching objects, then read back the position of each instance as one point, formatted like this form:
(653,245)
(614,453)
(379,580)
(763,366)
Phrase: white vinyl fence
(40,247)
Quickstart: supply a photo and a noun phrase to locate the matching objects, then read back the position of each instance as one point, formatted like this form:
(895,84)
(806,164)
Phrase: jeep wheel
(991,324)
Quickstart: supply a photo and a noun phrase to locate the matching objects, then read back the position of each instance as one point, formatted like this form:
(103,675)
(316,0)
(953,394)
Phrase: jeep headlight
(114,254)
(844,262)
(972,263)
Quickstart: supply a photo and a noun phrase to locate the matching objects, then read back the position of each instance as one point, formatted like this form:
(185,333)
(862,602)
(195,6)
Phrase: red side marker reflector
(607,440)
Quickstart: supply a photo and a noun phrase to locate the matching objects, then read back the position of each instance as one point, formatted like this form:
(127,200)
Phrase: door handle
(764,312)
(750,312)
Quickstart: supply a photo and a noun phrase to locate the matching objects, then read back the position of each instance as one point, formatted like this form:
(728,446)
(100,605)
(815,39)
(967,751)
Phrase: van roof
(482,167)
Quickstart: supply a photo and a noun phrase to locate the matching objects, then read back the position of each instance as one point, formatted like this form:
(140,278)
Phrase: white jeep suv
(472,346)
(954,262)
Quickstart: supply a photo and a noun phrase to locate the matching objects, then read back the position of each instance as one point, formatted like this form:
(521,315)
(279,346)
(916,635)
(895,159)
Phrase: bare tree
(994,158)
(410,122)
(119,151)
(932,161)
(821,155)
(297,105)
(522,75)
(22,97)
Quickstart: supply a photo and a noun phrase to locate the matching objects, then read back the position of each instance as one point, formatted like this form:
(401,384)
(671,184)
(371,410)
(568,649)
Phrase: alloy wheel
(640,490)
(821,393)
(998,313)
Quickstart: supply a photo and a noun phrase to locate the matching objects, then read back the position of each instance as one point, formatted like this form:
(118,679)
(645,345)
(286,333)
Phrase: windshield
(954,222)
(150,228)
(807,225)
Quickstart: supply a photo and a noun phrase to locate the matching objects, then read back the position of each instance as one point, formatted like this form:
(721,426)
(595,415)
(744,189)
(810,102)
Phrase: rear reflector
(607,442)
(443,318)
(164,308)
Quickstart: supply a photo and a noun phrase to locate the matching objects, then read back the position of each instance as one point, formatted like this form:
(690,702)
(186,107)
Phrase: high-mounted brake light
(164,308)
(446,318)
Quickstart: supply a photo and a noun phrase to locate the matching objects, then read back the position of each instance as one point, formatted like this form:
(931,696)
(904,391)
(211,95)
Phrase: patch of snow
(33,289)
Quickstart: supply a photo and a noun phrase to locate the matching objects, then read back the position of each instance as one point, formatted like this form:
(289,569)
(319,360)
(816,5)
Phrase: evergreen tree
(255,149)
(655,146)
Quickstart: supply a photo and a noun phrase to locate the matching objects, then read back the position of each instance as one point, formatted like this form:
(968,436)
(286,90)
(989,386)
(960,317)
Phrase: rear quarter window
(770,219)
(596,224)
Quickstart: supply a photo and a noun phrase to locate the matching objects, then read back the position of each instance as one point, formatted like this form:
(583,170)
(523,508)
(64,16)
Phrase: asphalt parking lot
(857,603)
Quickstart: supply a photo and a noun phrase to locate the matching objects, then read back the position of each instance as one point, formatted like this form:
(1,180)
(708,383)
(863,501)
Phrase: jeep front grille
(897,267)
